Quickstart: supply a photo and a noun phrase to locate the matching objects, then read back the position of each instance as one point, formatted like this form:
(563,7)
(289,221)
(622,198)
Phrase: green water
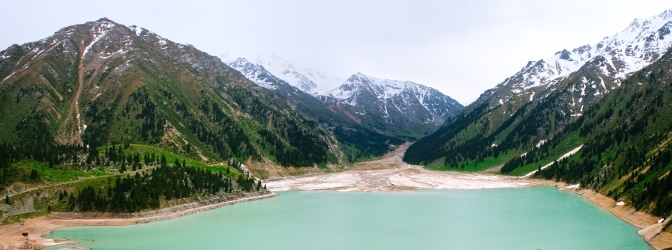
(524,218)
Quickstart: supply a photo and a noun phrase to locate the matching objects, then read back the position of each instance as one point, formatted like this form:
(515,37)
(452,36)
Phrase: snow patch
(568,154)
(10,75)
(98,33)
(138,30)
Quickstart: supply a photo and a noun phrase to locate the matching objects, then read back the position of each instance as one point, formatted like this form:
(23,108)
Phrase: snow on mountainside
(308,80)
(359,89)
(398,108)
(256,73)
(640,44)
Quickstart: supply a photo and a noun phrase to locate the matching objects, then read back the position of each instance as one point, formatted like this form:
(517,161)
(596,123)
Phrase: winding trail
(11,193)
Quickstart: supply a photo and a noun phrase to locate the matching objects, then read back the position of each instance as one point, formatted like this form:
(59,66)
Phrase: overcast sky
(459,47)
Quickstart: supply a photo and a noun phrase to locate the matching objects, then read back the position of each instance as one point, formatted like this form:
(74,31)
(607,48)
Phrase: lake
(516,218)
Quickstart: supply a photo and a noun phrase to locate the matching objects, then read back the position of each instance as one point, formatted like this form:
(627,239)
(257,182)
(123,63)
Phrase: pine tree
(123,167)
(34,175)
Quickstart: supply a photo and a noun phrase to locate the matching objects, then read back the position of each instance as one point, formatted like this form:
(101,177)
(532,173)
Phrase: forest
(138,181)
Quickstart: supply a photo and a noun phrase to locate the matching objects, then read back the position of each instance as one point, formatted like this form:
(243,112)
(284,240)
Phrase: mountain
(624,143)
(401,109)
(360,140)
(309,80)
(615,58)
(606,125)
(102,83)
(542,99)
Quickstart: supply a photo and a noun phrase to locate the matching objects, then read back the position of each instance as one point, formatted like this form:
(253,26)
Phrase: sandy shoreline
(10,235)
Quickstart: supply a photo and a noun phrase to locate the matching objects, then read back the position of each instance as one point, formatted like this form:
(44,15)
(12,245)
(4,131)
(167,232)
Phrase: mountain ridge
(395,108)
(573,80)
(638,45)
(102,82)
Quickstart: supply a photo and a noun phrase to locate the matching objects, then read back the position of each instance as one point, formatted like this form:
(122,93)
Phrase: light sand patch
(390,173)
(406,178)
(317,182)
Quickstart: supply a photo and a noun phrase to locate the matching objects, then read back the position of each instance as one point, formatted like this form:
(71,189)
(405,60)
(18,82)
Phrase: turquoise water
(523,218)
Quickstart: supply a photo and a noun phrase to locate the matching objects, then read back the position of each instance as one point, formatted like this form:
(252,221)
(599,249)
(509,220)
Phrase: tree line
(146,190)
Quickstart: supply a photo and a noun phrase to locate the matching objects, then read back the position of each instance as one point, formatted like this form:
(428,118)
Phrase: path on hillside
(11,193)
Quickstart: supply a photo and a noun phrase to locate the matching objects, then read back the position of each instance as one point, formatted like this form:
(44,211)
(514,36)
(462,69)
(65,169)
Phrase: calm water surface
(524,218)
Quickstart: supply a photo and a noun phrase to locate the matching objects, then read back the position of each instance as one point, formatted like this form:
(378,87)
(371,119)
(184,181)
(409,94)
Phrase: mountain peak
(104,20)
(311,81)
(360,78)
(635,24)
(360,74)
(667,14)
(256,73)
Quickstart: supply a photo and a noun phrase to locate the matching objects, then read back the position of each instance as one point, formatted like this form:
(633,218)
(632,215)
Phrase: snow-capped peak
(619,55)
(382,88)
(385,97)
(379,100)
(256,73)
(309,80)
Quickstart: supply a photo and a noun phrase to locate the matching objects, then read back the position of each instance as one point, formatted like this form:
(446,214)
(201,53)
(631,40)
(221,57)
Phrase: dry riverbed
(390,173)
(403,178)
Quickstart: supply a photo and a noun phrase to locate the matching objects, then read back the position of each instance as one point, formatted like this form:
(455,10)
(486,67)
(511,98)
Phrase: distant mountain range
(402,109)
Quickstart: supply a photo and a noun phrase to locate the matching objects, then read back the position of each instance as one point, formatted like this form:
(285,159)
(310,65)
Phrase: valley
(107,124)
